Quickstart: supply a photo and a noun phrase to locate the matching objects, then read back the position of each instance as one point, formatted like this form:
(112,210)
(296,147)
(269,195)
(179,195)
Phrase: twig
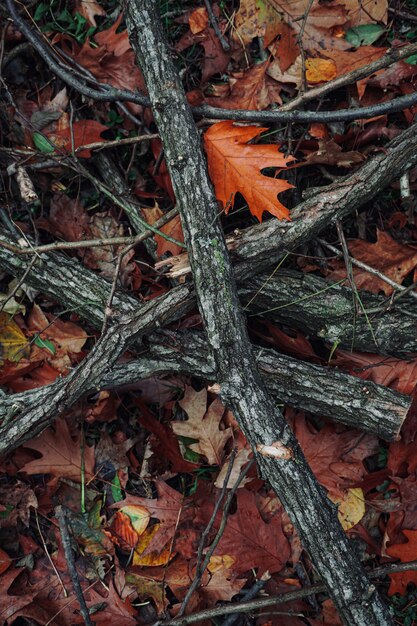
(248,595)
(304,19)
(61,516)
(45,547)
(90,243)
(111,94)
(404,14)
(369,269)
(213,21)
(247,607)
(18,284)
(200,568)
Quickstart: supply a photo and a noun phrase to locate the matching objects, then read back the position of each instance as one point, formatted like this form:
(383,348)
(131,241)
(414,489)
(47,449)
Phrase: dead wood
(277,452)
(365,406)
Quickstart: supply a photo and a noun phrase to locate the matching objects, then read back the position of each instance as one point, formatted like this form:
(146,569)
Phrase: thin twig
(348,264)
(45,547)
(199,570)
(304,19)
(18,284)
(404,14)
(369,269)
(111,94)
(213,21)
(248,595)
(90,243)
(61,516)
(260,603)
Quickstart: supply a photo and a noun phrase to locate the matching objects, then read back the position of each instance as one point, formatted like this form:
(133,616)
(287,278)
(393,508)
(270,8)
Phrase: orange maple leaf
(234,166)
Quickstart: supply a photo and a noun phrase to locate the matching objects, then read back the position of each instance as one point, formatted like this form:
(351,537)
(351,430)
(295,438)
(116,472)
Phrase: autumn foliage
(141,468)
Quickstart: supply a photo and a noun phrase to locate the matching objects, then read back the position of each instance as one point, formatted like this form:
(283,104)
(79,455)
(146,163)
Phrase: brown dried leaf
(393,259)
(203,424)
(62,455)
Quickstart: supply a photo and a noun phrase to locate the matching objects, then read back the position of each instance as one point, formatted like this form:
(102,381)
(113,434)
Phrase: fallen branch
(290,295)
(344,398)
(326,311)
(277,452)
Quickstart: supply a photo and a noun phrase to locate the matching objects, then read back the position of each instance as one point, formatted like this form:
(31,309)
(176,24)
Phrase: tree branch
(278,453)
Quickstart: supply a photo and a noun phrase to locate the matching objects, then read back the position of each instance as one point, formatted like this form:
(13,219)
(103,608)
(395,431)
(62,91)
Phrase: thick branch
(77,288)
(301,385)
(326,311)
(276,449)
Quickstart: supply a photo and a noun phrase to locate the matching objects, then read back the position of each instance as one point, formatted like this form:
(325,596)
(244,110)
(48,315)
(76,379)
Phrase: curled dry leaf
(89,9)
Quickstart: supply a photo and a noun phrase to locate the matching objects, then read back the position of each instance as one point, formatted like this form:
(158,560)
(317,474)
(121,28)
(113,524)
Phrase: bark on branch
(325,392)
(278,453)
(364,406)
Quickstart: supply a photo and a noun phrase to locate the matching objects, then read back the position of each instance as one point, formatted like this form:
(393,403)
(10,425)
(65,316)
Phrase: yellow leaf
(13,343)
(320,70)
(153,559)
(217,563)
(351,507)
(139,517)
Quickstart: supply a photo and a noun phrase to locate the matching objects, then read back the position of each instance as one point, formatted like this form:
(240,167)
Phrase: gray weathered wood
(278,453)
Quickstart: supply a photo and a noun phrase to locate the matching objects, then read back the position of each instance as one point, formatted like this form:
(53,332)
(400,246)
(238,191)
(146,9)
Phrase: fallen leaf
(166,508)
(13,343)
(405,552)
(78,134)
(167,444)
(69,219)
(396,373)
(256,18)
(235,166)
(198,20)
(146,587)
(66,337)
(393,259)
(320,70)
(89,9)
(112,60)
(336,458)
(145,558)
(62,455)
(5,561)
(203,424)
(350,506)
(252,542)
(18,499)
(222,586)
(285,48)
(330,153)
(252,89)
